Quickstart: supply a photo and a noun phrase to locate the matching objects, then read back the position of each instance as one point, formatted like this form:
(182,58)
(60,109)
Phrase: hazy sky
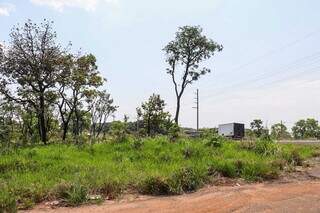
(269,68)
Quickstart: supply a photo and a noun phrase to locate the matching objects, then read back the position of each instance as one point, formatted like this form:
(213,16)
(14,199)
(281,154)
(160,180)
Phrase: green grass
(150,166)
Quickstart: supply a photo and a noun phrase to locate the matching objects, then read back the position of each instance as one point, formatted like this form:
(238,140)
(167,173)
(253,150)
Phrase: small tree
(279,131)
(101,108)
(257,127)
(188,50)
(155,120)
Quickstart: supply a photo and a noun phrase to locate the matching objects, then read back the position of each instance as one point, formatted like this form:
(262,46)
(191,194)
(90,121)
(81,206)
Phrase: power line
(267,75)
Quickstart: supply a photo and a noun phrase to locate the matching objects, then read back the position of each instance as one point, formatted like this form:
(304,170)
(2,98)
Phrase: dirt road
(303,196)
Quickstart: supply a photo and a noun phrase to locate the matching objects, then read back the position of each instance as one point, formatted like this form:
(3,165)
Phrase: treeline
(302,129)
(48,93)
(46,90)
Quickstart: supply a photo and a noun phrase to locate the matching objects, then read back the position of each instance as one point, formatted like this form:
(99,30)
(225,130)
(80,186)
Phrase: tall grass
(151,166)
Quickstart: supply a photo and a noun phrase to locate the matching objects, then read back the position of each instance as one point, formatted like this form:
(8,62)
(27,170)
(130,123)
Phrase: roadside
(294,192)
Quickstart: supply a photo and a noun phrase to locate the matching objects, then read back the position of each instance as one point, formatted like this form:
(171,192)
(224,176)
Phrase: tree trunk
(176,118)
(42,121)
(65,131)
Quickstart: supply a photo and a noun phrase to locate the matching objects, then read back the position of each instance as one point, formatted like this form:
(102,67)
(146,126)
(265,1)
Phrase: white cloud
(6,9)
(89,5)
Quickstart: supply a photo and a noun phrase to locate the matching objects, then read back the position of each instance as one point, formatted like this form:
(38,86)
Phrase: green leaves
(189,48)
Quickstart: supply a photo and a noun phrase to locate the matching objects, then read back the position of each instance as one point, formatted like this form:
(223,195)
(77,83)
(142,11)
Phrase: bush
(189,152)
(155,186)
(173,132)
(185,180)
(7,202)
(294,158)
(227,169)
(119,131)
(214,140)
(137,143)
(73,194)
(111,189)
(263,147)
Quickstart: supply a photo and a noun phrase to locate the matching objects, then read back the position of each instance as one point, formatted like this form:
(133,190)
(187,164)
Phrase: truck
(232,130)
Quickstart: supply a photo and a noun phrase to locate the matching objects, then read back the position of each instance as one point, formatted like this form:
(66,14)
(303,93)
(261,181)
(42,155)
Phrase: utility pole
(197,108)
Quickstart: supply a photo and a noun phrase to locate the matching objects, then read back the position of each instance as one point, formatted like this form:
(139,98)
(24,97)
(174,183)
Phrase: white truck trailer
(232,130)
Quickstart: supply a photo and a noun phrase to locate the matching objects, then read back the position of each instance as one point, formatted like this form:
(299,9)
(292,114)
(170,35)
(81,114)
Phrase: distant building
(232,130)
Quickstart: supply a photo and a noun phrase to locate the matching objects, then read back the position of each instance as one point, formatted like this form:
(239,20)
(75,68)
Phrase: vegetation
(188,50)
(56,91)
(151,166)
(56,143)
(308,128)
(279,131)
(154,119)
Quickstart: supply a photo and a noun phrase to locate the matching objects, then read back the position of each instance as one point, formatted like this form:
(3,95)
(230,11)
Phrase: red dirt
(303,196)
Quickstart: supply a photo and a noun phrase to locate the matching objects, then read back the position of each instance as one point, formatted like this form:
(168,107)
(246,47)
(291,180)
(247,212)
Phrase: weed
(155,186)
(7,202)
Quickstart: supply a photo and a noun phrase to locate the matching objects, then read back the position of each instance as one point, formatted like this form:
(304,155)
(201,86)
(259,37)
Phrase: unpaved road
(303,196)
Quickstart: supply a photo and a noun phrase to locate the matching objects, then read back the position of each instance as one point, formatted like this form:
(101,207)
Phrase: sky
(269,67)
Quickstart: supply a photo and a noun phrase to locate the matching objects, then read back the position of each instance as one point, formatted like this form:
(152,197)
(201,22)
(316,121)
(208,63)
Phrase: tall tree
(31,64)
(155,120)
(189,48)
(78,84)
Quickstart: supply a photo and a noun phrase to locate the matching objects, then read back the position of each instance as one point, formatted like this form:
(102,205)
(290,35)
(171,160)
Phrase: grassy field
(150,166)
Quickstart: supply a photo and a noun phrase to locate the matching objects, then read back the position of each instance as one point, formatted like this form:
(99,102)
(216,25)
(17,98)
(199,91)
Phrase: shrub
(294,158)
(155,186)
(227,169)
(185,180)
(119,131)
(173,132)
(137,143)
(73,194)
(214,141)
(253,171)
(7,202)
(111,189)
(164,157)
(263,147)
(189,152)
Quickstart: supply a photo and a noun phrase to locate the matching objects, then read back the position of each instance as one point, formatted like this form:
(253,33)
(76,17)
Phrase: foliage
(119,131)
(155,166)
(101,108)
(155,120)
(174,132)
(304,129)
(257,127)
(32,65)
(54,88)
(279,131)
(265,147)
(72,194)
(189,48)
